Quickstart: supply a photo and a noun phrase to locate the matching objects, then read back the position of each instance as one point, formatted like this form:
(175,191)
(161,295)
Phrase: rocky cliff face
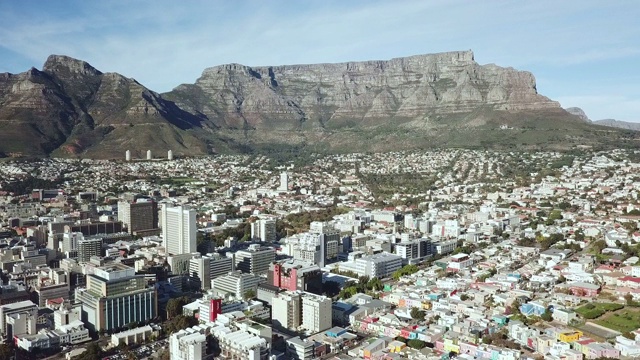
(437,100)
(71,108)
(357,93)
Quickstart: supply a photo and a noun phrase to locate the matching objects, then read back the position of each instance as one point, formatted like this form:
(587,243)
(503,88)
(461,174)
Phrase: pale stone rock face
(407,88)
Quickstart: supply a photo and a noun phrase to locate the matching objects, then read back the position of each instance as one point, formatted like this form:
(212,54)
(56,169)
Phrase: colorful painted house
(569,336)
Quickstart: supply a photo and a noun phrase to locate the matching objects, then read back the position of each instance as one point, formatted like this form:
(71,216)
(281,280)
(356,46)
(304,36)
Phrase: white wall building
(178,229)
(236,284)
(264,230)
(315,312)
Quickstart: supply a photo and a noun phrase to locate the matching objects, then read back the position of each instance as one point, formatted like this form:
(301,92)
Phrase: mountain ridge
(70,108)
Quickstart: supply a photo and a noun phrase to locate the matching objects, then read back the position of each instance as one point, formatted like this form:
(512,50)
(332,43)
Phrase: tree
(464,297)
(6,351)
(375,284)
(416,344)
(180,322)
(249,294)
(93,351)
(546,316)
(628,298)
(174,306)
(599,245)
(331,288)
(417,314)
(363,279)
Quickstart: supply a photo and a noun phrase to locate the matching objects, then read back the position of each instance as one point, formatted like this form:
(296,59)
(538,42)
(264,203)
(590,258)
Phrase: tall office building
(415,250)
(70,241)
(291,309)
(116,297)
(286,310)
(17,319)
(255,260)
(178,229)
(314,312)
(284,182)
(88,248)
(329,240)
(264,230)
(207,268)
(296,275)
(141,215)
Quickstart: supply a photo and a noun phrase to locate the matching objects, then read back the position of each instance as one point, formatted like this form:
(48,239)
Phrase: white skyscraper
(148,154)
(264,229)
(284,181)
(314,312)
(127,155)
(170,155)
(178,229)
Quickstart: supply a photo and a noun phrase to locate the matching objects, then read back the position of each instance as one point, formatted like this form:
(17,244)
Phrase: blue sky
(583,53)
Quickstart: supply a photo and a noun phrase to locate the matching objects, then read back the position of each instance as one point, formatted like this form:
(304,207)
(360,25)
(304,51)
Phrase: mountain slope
(444,99)
(436,100)
(627,125)
(369,93)
(70,108)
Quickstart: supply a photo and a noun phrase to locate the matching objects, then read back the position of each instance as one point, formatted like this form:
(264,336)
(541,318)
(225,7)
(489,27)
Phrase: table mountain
(444,99)
(70,108)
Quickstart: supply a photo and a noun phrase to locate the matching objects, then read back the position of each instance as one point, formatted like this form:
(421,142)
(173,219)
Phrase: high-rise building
(180,264)
(17,319)
(178,229)
(286,310)
(89,247)
(315,310)
(141,215)
(347,244)
(264,230)
(170,155)
(284,182)
(116,297)
(329,241)
(51,284)
(292,309)
(255,260)
(295,275)
(149,155)
(127,155)
(207,268)
(70,241)
(414,249)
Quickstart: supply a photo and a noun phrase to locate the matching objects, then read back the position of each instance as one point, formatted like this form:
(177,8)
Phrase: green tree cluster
(405,270)
(364,285)
(174,306)
(178,323)
(417,314)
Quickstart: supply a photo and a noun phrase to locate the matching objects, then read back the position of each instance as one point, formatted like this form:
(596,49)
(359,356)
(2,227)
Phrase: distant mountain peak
(627,125)
(56,63)
(578,112)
